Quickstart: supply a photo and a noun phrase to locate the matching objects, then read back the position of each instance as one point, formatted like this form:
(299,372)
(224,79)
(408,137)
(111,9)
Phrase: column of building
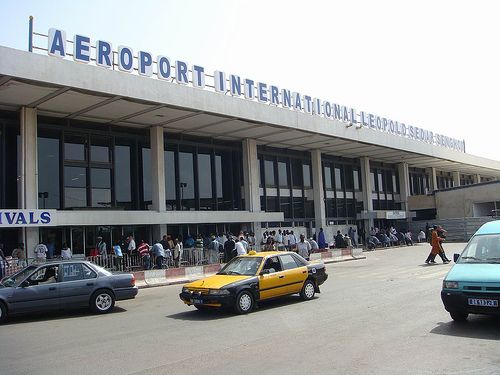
(318,192)
(367,193)
(28,182)
(158,194)
(251,180)
(404,185)
(456,179)
(432,173)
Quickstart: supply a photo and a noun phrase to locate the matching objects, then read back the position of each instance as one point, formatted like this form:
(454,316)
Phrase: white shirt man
(303,247)
(40,252)
(240,248)
(131,245)
(279,238)
(292,240)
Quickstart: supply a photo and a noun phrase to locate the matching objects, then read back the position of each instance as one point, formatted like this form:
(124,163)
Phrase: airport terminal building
(97,139)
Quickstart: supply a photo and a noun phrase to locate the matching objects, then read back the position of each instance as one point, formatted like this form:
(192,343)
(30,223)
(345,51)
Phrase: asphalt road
(382,315)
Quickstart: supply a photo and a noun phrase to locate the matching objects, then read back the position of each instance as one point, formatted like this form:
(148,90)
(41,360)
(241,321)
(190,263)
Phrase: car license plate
(483,302)
(197,301)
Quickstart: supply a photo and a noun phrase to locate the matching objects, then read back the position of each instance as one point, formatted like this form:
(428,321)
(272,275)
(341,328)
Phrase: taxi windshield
(17,278)
(482,249)
(247,266)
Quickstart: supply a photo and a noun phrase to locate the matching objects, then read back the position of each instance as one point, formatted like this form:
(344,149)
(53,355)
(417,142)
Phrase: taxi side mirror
(455,257)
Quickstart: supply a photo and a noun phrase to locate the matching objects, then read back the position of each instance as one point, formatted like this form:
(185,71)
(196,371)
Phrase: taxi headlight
(450,284)
(219,292)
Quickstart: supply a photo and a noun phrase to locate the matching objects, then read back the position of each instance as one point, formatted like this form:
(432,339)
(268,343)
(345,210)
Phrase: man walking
(304,248)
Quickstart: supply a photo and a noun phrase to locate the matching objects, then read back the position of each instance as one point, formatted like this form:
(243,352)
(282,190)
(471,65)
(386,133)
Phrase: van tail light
(132,281)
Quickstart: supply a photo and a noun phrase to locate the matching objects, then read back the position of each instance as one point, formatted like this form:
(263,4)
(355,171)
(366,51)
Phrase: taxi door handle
(281,276)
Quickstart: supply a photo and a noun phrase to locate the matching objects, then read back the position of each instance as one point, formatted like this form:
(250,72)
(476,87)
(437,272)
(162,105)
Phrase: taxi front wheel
(244,302)
(308,290)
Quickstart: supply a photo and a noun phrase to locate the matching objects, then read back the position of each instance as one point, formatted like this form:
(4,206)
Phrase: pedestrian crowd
(386,237)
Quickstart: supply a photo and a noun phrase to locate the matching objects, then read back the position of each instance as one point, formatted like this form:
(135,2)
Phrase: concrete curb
(174,276)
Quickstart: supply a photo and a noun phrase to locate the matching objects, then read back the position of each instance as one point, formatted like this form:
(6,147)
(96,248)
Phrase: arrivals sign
(163,68)
(27,218)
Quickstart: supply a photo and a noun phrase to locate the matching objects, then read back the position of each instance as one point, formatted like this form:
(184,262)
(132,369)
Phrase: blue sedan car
(63,285)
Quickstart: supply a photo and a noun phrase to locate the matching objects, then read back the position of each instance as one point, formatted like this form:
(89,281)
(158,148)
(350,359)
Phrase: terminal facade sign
(27,218)
(163,68)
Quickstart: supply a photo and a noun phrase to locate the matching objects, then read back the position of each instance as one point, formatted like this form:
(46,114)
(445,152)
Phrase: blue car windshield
(247,266)
(483,248)
(16,279)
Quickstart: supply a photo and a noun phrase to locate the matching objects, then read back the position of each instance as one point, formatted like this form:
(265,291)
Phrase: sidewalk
(173,276)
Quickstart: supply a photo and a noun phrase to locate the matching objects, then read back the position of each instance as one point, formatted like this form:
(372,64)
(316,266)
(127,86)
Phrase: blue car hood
(475,272)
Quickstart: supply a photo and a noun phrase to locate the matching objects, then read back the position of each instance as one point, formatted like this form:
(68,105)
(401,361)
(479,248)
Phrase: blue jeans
(146,261)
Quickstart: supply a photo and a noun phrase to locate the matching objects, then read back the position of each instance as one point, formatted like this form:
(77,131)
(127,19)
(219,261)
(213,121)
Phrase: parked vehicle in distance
(255,277)
(472,286)
(63,285)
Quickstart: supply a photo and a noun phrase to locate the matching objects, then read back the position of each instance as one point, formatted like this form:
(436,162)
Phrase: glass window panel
(338,179)
(282,174)
(99,150)
(298,207)
(75,177)
(48,173)
(269,173)
(101,187)
(123,187)
(349,184)
(355,175)
(186,182)
(297,181)
(218,175)
(169,159)
(285,207)
(101,178)
(204,176)
(380,182)
(75,191)
(328,178)
(306,172)
(146,176)
(372,180)
(74,147)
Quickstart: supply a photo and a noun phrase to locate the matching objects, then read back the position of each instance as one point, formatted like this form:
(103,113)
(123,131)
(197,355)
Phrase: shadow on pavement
(56,315)
(476,326)
(215,314)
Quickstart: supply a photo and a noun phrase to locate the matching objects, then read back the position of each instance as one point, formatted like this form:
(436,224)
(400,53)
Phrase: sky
(432,64)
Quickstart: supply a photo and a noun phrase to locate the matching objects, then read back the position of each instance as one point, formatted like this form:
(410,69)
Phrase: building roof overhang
(66,89)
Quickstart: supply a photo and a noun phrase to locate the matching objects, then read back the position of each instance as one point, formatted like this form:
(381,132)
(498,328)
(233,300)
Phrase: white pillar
(456,179)
(157,169)
(29,159)
(318,193)
(404,185)
(476,178)
(251,176)
(251,180)
(28,183)
(366,188)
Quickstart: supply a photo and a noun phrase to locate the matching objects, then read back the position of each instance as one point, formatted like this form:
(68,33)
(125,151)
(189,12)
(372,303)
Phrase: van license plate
(197,301)
(483,302)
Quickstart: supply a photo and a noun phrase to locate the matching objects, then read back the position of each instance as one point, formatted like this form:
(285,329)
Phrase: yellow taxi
(254,277)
